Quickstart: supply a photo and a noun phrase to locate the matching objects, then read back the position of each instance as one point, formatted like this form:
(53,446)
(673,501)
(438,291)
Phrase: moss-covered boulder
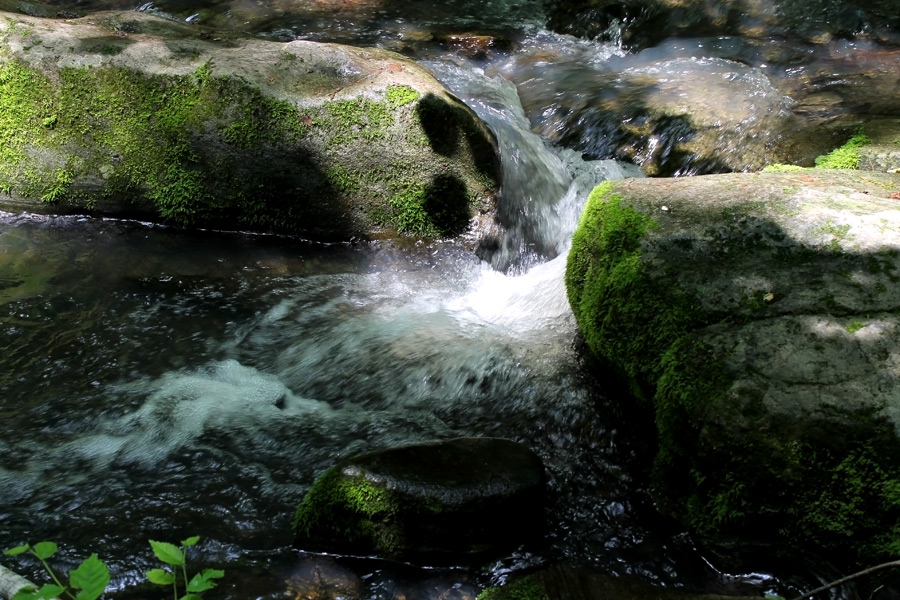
(443,501)
(757,314)
(130,114)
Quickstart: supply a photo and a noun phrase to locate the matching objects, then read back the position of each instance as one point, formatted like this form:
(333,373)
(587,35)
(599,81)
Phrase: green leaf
(213,573)
(168,553)
(191,541)
(199,583)
(91,577)
(191,597)
(160,577)
(18,550)
(44,550)
(26,593)
(49,591)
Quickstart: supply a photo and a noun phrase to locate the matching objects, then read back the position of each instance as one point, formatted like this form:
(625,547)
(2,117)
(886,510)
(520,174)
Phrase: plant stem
(54,577)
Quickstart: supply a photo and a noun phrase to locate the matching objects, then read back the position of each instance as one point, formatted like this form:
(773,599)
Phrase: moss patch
(365,514)
(172,139)
(401,95)
(845,157)
(626,320)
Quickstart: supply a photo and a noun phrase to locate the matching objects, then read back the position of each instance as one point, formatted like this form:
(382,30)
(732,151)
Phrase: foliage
(845,157)
(174,557)
(88,581)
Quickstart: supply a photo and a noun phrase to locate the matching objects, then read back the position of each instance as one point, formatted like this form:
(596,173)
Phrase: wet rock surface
(642,23)
(705,105)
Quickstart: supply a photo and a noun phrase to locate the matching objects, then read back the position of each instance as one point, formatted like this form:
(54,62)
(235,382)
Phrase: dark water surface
(157,384)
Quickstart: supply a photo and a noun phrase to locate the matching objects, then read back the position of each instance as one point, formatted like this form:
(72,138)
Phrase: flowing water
(159,384)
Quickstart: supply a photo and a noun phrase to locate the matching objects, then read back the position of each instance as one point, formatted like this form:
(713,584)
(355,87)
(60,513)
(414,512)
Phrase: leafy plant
(89,579)
(174,557)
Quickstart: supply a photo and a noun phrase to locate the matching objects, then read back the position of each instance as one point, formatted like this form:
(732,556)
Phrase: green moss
(845,157)
(524,588)
(854,327)
(626,320)
(342,179)
(359,510)
(358,118)
(146,135)
(401,95)
(58,188)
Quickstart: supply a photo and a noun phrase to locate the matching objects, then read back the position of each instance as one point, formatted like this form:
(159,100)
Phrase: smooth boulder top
(456,471)
(451,499)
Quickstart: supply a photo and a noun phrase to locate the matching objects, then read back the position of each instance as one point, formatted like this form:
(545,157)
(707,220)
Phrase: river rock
(441,501)
(131,114)
(643,23)
(758,315)
(711,106)
(565,582)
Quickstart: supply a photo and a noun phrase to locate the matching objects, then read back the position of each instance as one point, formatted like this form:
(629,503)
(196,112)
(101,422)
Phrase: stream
(157,384)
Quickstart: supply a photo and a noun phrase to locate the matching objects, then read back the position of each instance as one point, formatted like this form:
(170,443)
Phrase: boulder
(131,114)
(710,105)
(563,582)
(757,314)
(441,501)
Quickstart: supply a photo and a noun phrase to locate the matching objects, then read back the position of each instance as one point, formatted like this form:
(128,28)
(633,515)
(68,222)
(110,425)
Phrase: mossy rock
(129,114)
(444,501)
(756,314)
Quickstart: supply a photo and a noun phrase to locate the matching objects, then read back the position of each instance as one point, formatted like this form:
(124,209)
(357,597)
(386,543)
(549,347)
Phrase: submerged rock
(758,314)
(709,105)
(642,23)
(126,113)
(440,501)
(563,582)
